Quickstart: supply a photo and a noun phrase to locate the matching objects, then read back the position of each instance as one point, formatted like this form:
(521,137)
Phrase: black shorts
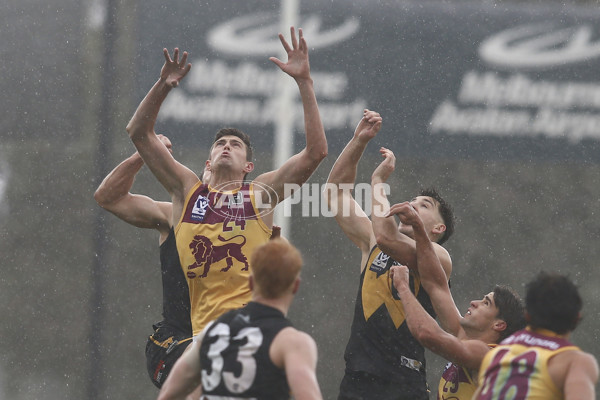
(359,385)
(162,350)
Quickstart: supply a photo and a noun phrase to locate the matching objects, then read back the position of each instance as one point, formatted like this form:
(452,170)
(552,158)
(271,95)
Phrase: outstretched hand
(297,65)
(387,166)
(174,69)
(368,126)
(406,213)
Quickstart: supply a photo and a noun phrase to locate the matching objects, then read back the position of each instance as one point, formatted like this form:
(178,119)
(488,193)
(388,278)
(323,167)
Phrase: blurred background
(495,103)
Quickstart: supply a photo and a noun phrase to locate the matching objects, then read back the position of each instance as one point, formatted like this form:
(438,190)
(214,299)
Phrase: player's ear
(438,229)
(249,167)
(296,285)
(499,325)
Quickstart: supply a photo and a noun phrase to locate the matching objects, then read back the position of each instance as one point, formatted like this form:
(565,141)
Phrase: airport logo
(252,35)
(540,46)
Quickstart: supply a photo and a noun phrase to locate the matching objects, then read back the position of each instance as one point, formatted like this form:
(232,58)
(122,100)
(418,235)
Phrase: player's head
(497,315)
(240,135)
(231,147)
(275,269)
(510,310)
(436,214)
(553,302)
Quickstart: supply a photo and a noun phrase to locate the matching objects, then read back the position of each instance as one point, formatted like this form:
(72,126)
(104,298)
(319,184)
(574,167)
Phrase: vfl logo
(381,264)
(254,34)
(206,253)
(199,210)
(540,46)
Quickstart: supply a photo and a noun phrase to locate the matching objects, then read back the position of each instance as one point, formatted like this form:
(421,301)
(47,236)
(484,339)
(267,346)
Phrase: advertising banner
(450,80)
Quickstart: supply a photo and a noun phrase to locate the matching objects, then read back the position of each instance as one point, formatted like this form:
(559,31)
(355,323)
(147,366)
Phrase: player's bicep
(140,211)
(175,177)
(581,378)
(445,260)
(354,222)
(300,363)
(285,180)
(447,313)
(470,353)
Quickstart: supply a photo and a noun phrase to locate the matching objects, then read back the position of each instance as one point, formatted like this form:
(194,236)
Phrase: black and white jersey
(234,355)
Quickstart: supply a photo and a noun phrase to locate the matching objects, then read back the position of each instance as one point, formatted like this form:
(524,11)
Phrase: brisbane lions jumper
(215,237)
(457,383)
(518,367)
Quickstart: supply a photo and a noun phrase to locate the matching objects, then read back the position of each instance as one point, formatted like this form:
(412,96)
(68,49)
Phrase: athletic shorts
(162,350)
(359,385)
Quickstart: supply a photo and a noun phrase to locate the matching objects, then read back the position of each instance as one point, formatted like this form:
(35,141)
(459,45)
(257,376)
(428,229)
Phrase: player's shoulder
(291,343)
(584,359)
(574,363)
(444,257)
(291,337)
(441,250)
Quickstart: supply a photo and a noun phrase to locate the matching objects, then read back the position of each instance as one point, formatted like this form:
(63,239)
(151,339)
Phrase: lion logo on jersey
(206,253)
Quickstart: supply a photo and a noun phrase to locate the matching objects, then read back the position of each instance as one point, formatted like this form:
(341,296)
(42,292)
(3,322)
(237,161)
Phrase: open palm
(174,69)
(297,65)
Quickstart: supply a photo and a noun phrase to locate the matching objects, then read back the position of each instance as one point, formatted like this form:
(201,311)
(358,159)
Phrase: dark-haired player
(217,227)
(539,362)
(383,360)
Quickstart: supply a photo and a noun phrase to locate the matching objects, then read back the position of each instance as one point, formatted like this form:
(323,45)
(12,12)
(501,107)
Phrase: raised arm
(141,211)
(466,353)
(300,167)
(399,246)
(296,352)
(340,183)
(390,240)
(433,277)
(176,178)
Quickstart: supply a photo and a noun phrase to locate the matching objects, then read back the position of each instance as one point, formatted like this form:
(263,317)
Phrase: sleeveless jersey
(457,383)
(380,342)
(234,355)
(518,367)
(176,298)
(215,237)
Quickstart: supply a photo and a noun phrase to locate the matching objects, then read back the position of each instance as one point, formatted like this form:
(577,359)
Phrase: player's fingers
(303,45)
(294,39)
(184,58)
(285,44)
(167,55)
(277,62)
